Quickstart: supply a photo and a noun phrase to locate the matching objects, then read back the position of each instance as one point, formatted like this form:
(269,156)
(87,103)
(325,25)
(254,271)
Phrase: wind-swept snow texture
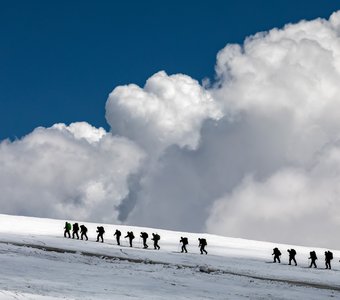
(37,262)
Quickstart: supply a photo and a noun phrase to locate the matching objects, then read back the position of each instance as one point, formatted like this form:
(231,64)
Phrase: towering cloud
(266,130)
(285,84)
(255,154)
(164,117)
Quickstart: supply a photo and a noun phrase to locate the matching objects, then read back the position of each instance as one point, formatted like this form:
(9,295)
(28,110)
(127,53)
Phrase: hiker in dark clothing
(277,254)
(184,241)
(75,231)
(67,229)
(144,237)
(328,258)
(101,231)
(202,244)
(156,238)
(130,236)
(117,234)
(313,258)
(83,231)
(292,254)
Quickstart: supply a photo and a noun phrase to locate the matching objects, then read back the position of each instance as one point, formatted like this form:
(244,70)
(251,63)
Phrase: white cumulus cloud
(293,205)
(169,110)
(75,171)
(285,83)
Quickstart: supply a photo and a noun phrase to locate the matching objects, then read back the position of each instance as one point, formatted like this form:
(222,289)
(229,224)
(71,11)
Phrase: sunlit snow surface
(53,267)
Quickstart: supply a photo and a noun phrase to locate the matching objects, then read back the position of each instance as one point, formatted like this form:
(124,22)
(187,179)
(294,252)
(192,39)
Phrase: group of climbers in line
(184,240)
(312,257)
(155,237)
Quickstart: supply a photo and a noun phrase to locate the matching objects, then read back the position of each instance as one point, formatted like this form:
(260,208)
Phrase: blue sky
(60,59)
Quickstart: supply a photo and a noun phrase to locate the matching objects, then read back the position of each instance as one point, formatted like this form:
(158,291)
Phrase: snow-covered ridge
(217,245)
(230,260)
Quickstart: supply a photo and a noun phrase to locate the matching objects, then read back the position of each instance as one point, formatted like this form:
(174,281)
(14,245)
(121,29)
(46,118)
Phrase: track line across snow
(204,268)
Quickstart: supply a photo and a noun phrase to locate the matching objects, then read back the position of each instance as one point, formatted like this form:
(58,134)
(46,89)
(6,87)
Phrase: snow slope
(37,262)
